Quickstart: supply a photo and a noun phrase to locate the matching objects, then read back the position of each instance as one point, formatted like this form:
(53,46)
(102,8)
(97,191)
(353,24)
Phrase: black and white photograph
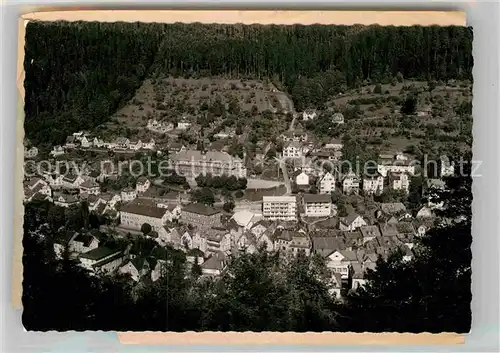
(231,177)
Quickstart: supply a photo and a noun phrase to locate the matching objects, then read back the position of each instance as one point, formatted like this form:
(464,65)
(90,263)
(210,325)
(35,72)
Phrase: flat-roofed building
(282,208)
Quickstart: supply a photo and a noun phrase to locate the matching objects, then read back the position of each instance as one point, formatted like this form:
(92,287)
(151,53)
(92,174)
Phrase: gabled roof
(215,262)
(350,219)
(154,212)
(99,253)
(200,209)
(392,207)
(85,239)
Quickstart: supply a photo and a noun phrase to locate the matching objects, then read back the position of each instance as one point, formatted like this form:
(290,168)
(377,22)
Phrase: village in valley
(228,190)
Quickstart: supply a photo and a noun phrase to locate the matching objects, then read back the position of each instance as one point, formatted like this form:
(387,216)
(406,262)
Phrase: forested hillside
(77,74)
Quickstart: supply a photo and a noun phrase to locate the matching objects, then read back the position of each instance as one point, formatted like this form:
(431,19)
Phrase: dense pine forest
(78,74)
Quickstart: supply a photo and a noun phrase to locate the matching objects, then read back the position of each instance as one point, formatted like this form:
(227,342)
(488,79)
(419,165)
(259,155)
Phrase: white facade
(57,151)
(309,115)
(395,168)
(292,150)
(142,185)
(373,185)
(350,184)
(128,195)
(351,223)
(317,205)
(327,183)
(337,263)
(135,220)
(279,208)
(399,181)
(302,179)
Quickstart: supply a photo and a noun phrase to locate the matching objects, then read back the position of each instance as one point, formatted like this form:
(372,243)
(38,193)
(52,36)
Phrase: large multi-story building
(191,163)
(282,208)
(134,215)
(317,205)
(201,216)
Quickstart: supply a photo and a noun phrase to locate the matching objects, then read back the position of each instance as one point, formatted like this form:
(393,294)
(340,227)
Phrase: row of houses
(393,173)
(86,141)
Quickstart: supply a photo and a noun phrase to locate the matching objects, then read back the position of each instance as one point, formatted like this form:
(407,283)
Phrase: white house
(399,181)
(136,268)
(351,222)
(128,194)
(350,184)
(339,261)
(142,184)
(102,259)
(447,167)
(309,115)
(317,205)
(149,145)
(98,142)
(90,187)
(327,183)
(292,150)
(85,142)
(122,142)
(302,179)
(373,184)
(424,212)
(66,200)
(57,151)
(55,180)
(396,166)
(83,243)
(134,215)
(338,118)
(334,144)
(183,125)
(135,145)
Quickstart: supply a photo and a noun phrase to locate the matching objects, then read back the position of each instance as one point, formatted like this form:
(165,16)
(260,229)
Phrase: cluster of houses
(392,172)
(86,141)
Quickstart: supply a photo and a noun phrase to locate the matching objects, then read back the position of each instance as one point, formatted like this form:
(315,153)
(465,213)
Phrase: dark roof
(201,209)
(215,262)
(317,198)
(86,239)
(350,218)
(326,245)
(99,253)
(370,231)
(64,237)
(144,210)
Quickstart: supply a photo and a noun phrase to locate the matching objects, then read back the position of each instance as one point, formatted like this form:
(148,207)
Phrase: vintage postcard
(247,177)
